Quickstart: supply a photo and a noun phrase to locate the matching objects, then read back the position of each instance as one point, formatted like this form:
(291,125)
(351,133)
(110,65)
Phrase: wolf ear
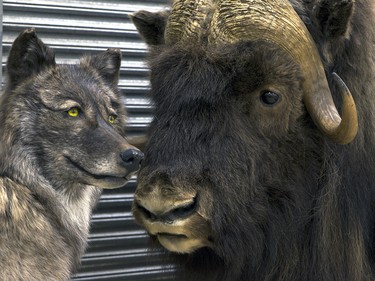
(333,17)
(28,56)
(107,64)
(151,26)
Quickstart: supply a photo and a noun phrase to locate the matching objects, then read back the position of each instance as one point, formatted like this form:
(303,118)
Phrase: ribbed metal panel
(118,248)
(1,38)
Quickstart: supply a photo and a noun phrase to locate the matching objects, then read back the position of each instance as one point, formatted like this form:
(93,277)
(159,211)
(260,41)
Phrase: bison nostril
(184,210)
(181,211)
(132,159)
(147,213)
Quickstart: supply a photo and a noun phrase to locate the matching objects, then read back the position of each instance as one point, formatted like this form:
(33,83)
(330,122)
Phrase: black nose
(132,159)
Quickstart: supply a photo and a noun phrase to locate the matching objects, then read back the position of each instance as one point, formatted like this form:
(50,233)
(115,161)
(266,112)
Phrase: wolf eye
(73,112)
(269,98)
(112,118)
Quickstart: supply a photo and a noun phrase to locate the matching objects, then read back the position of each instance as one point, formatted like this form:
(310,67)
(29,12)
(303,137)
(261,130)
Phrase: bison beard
(246,190)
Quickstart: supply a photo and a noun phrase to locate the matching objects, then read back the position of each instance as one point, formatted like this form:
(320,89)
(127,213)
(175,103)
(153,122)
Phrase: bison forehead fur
(245,190)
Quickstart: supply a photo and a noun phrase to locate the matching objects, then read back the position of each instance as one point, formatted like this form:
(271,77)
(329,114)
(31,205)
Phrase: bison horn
(348,127)
(276,21)
(186,21)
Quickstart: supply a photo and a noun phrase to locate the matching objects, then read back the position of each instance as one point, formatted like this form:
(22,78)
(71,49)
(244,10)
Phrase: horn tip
(341,83)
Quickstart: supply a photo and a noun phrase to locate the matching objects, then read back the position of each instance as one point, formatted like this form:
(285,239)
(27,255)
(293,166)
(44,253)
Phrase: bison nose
(132,159)
(165,211)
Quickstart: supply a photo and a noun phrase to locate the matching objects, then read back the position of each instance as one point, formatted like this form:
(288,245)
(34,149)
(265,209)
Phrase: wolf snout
(132,159)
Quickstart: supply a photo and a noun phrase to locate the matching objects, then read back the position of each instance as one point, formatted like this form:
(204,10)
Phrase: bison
(260,161)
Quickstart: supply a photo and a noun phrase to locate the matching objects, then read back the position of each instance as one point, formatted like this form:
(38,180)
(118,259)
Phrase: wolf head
(64,122)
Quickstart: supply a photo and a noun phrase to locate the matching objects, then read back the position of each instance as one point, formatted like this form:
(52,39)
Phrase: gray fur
(53,166)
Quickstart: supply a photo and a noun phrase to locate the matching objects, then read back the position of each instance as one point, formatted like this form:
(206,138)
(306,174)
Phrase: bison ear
(151,26)
(107,65)
(28,56)
(333,17)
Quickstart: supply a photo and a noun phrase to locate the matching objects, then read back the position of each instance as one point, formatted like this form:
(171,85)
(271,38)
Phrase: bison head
(243,110)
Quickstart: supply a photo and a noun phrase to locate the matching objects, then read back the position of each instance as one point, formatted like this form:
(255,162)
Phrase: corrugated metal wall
(117,246)
(1,39)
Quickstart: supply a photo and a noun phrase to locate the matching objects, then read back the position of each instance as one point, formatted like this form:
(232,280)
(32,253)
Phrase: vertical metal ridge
(1,38)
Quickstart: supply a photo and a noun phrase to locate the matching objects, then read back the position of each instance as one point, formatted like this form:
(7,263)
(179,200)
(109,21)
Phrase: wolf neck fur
(73,215)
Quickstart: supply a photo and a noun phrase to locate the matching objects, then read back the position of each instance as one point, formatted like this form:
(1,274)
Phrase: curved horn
(276,21)
(186,21)
(349,115)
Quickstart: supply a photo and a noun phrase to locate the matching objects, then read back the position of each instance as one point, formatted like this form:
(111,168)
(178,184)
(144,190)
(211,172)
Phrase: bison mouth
(179,236)
(98,180)
(176,220)
(179,243)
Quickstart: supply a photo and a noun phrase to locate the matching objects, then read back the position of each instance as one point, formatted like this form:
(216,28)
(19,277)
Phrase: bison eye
(269,98)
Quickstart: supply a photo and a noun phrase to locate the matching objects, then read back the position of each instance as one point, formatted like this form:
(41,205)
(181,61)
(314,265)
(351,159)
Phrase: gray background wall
(118,248)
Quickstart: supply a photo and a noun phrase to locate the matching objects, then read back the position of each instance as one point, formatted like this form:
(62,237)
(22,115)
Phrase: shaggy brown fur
(261,193)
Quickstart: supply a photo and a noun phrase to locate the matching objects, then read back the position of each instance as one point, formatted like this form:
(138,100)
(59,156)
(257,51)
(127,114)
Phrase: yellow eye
(73,112)
(112,118)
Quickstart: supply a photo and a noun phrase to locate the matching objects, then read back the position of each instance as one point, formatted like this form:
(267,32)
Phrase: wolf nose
(167,212)
(132,159)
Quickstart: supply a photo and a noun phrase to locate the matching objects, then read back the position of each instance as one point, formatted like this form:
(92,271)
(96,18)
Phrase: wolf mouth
(95,176)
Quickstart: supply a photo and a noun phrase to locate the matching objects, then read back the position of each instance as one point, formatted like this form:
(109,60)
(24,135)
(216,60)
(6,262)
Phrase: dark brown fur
(275,198)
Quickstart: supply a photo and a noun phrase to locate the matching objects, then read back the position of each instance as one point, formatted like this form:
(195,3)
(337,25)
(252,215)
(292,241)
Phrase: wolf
(62,141)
